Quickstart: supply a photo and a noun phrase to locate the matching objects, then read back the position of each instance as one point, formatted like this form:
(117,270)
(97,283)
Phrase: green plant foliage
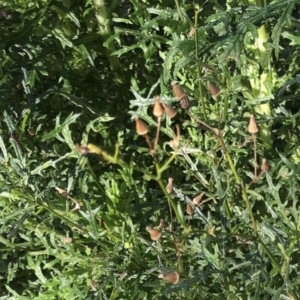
(108,194)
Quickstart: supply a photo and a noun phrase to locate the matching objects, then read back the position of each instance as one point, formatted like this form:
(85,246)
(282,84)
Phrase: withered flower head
(66,240)
(177,90)
(252,127)
(213,90)
(158,109)
(185,103)
(83,150)
(172,277)
(154,233)
(265,166)
(64,193)
(197,200)
(176,141)
(170,111)
(212,230)
(141,126)
(169,186)
(181,95)
(192,31)
(189,209)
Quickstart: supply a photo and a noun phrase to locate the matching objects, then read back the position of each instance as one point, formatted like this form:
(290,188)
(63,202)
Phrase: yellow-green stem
(198,67)
(172,202)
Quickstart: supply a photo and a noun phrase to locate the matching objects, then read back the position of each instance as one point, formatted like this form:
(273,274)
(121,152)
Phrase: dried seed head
(265,166)
(66,240)
(83,150)
(181,95)
(177,90)
(212,231)
(185,103)
(172,277)
(192,32)
(173,144)
(141,126)
(197,200)
(252,127)
(158,109)
(189,209)
(213,90)
(64,193)
(169,186)
(170,111)
(154,233)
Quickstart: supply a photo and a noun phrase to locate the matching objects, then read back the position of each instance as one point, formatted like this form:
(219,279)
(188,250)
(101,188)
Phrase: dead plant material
(198,199)
(158,109)
(213,89)
(181,96)
(252,127)
(265,166)
(189,209)
(141,126)
(154,233)
(169,186)
(170,111)
(172,277)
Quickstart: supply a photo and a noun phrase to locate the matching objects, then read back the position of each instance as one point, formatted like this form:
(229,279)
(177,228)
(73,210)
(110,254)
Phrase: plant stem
(225,112)
(171,201)
(179,10)
(104,29)
(198,67)
(255,156)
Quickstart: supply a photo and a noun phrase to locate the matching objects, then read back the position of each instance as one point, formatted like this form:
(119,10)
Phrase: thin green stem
(103,19)
(159,253)
(225,110)
(253,220)
(172,202)
(166,164)
(266,250)
(255,155)
(62,217)
(179,10)
(198,67)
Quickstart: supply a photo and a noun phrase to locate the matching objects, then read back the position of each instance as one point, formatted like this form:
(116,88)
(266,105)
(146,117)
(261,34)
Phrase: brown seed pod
(172,277)
(141,126)
(192,31)
(154,233)
(252,127)
(181,95)
(158,109)
(66,240)
(170,111)
(177,90)
(169,186)
(189,209)
(185,103)
(213,90)
(197,200)
(63,192)
(265,166)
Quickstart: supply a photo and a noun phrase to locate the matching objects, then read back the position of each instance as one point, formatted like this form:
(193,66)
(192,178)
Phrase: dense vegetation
(106,193)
